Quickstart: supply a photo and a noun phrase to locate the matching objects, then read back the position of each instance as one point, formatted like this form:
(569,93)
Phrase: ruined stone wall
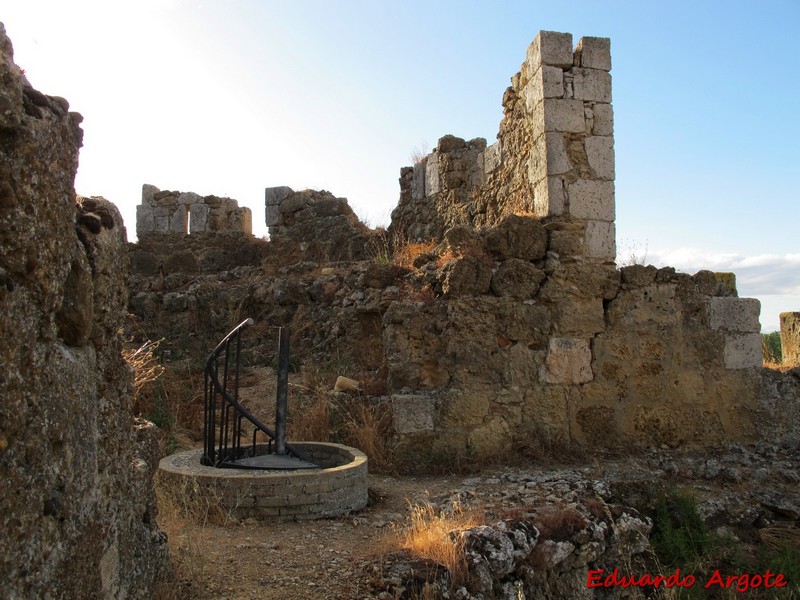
(517,328)
(78,517)
(524,347)
(164,212)
(554,157)
(541,336)
(314,226)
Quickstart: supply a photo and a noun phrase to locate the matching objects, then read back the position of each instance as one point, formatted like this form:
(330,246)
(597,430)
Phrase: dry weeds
(436,536)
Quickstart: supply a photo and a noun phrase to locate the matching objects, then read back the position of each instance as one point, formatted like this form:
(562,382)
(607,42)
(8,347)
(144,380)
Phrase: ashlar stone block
(548,157)
(148,191)
(418,181)
(433,182)
(241,220)
(589,199)
(273,215)
(740,315)
(145,222)
(198,218)
(558,114)
(743,351)
(547,82)
(595,52)
(600,152)
(603,119)
(600,241)
(550,48)
(178,220)
(412,413)
(548,197)
(591,84)
(569,361)
(273,196)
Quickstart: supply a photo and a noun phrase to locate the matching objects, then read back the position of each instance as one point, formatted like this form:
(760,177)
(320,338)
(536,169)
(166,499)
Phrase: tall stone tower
(568,107)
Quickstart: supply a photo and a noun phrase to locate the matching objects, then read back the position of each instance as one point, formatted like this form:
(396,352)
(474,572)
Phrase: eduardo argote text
(599,578)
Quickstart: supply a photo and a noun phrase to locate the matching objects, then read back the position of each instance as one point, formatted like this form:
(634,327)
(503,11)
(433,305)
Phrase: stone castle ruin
(517,323)
(511,323)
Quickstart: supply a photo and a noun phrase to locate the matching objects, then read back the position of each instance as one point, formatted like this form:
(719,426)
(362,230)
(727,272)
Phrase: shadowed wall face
(78,515)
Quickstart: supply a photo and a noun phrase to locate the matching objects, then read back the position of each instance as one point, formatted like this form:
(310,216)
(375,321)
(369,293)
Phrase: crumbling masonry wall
(541,337)
(554,157)
(78,518)
(515,327)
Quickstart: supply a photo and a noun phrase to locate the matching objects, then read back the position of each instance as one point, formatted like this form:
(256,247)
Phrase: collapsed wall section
(78,517)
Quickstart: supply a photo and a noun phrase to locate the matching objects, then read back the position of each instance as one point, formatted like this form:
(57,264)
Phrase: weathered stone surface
(587,280)
(600,241)
(517,278)
(517,237)
(602,119)
(466,276)
(547,82)
(595,52)
(413,413)
(550,48)
(739,315)
(591,200)
(638,275)
(600,153)
(80,514)
(564,115)
(568,361)
(743,350)
(591,84)
(492,157)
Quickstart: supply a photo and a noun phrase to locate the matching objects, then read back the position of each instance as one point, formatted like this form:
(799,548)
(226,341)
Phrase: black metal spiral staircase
(227,423)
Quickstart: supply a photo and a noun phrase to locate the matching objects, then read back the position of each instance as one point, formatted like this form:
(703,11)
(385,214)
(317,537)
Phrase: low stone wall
(339,487)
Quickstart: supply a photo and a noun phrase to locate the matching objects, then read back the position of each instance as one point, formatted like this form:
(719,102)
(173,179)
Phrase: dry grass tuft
(347,418)
(780,536)
(559,523)
(146,367)
(436,536)
(367,428)
(405,254)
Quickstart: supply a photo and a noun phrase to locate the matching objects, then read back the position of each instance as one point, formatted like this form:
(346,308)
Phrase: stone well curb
(339,487)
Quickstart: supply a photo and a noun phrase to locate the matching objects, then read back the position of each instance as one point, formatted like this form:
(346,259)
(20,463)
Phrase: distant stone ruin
(513,325)
(164,212)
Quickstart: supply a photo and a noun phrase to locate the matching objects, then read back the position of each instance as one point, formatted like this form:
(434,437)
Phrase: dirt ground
(330,558)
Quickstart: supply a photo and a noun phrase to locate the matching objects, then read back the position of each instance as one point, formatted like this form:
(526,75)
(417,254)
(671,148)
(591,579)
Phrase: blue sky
(229,97)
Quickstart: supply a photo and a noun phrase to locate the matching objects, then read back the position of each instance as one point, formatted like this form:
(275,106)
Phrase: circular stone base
(339,486)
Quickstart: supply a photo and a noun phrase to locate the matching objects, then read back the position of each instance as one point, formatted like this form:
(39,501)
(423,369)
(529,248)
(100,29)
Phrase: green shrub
(771,347)
(679,535)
